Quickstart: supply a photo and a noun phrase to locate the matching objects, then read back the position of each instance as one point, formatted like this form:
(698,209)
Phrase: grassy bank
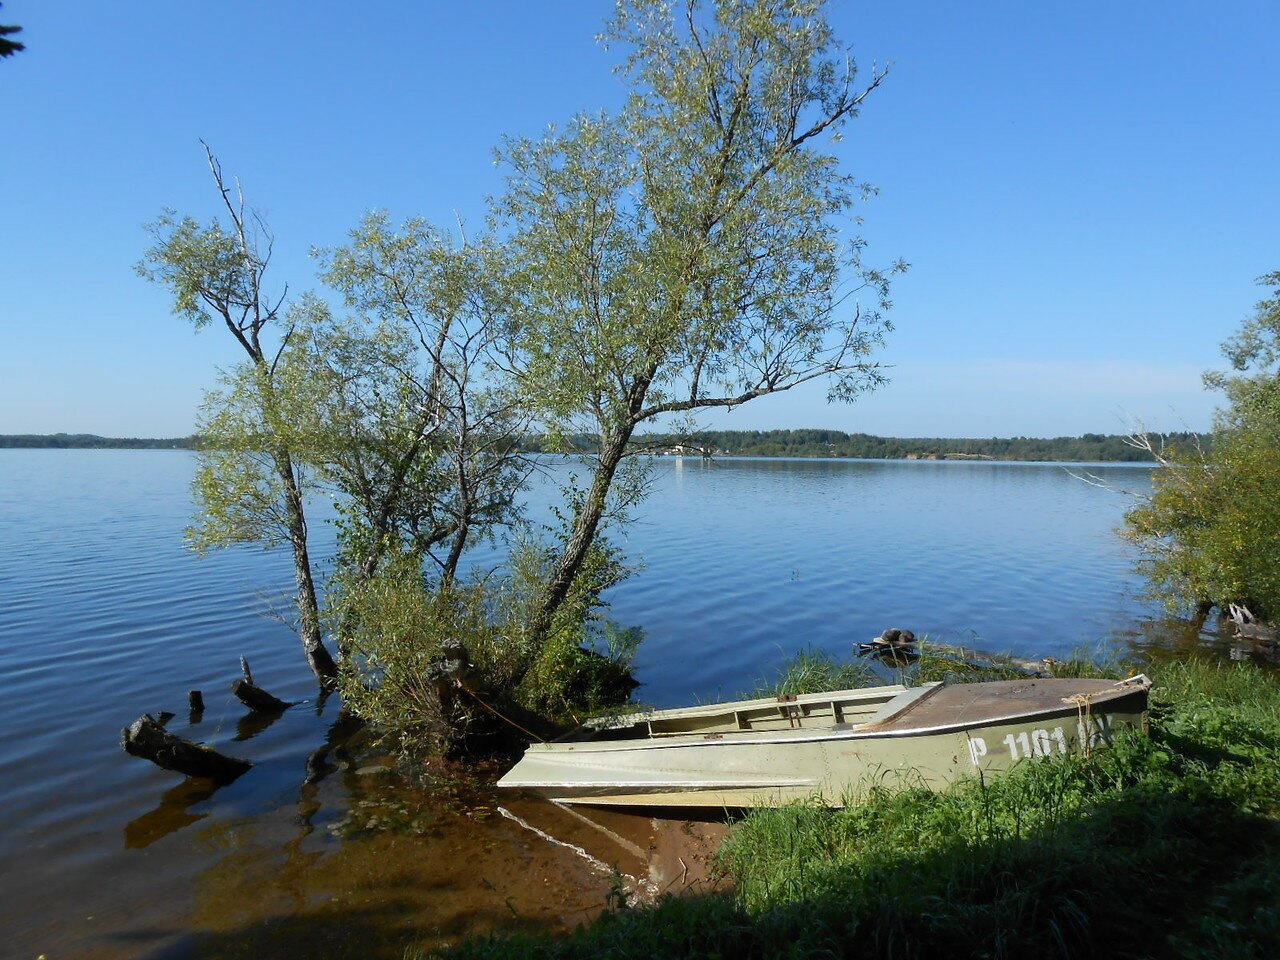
(1167,846)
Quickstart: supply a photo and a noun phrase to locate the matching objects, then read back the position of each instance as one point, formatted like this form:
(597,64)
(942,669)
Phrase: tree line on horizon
(1088,447)
(805,442)
(91,441)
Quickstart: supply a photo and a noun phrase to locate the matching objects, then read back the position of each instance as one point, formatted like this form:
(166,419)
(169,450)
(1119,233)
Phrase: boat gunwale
(740,738)
(731,706)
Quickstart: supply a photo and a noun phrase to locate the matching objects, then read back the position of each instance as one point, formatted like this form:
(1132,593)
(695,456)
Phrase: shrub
(396,623)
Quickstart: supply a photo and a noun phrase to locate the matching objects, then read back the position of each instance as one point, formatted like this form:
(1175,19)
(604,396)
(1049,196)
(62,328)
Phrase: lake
(105,615)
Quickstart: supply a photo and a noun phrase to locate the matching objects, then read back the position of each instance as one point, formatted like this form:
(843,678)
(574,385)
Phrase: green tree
(429,459)
(250,483)
(9,47)
(687,253)
(1210,534)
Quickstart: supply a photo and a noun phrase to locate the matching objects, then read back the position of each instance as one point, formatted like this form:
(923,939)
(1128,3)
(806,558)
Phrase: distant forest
(89,441)
(1091,447)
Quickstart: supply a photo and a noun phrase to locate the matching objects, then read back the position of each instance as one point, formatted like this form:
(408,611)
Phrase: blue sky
(1085,191)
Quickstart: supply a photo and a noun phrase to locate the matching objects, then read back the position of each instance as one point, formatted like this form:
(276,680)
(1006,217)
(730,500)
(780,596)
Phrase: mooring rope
(1084,707)
(500,716)
(1084,716)
(644,888)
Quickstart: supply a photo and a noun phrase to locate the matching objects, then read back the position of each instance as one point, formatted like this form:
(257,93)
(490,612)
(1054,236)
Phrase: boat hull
(831,765)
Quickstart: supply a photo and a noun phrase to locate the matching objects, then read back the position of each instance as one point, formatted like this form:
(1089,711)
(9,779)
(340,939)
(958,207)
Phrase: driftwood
(1250,627)
(257,699)
(899,646)
(146,738)
(253,696)
(892,644)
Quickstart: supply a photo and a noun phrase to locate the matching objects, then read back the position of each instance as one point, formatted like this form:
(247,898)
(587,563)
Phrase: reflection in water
(173,811)
(255,722)
(366,860)
(171,814)
(1175,638)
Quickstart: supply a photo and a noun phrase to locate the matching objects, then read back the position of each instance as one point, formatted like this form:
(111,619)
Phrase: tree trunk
(450,569)
(318,658)
(583,536)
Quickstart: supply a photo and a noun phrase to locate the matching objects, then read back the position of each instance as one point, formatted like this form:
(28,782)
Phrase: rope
(1084,708)
(500,716)
(1084,715)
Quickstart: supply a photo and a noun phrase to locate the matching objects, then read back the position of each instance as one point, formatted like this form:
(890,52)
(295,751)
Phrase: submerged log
(893,644)
(257,699)
(147,739)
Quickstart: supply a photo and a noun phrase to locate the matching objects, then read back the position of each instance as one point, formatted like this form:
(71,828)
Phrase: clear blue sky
(1085,190)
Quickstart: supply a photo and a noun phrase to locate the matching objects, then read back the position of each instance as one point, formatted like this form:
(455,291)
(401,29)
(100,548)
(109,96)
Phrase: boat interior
(839,709)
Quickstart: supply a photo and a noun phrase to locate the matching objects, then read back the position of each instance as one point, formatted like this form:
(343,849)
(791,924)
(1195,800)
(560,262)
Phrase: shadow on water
(341,933)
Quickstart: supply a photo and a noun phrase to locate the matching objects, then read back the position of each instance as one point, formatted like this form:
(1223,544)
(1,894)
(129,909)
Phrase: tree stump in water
(146,738)
(257,699)
(1249,627)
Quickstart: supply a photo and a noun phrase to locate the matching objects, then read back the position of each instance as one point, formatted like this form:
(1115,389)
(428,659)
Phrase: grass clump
(813,671)
(1161,846)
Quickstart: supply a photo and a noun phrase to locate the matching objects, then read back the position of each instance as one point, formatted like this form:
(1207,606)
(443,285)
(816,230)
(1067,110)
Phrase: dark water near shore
(104,615)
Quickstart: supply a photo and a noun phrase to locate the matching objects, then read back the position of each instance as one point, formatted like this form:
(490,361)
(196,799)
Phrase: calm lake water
(105,615)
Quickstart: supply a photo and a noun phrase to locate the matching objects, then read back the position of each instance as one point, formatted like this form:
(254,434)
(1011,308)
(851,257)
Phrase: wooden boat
(827,746)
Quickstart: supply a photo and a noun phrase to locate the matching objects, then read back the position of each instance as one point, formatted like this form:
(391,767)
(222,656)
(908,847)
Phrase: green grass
(813,671)
(1161,846)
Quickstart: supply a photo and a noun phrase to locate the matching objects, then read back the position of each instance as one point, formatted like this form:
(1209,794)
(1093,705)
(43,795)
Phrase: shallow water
(105,615)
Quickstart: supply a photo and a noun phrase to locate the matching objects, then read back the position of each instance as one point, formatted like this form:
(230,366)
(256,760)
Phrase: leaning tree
(697,250)
(251,483)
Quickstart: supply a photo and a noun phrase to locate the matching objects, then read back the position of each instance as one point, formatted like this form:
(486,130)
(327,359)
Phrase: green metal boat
(827,747)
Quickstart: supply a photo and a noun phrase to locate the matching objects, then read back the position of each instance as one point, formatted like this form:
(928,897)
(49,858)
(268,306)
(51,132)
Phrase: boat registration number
(1042,742)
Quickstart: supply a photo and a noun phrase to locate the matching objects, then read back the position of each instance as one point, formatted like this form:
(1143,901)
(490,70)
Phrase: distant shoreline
(91,441)
(804,443)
